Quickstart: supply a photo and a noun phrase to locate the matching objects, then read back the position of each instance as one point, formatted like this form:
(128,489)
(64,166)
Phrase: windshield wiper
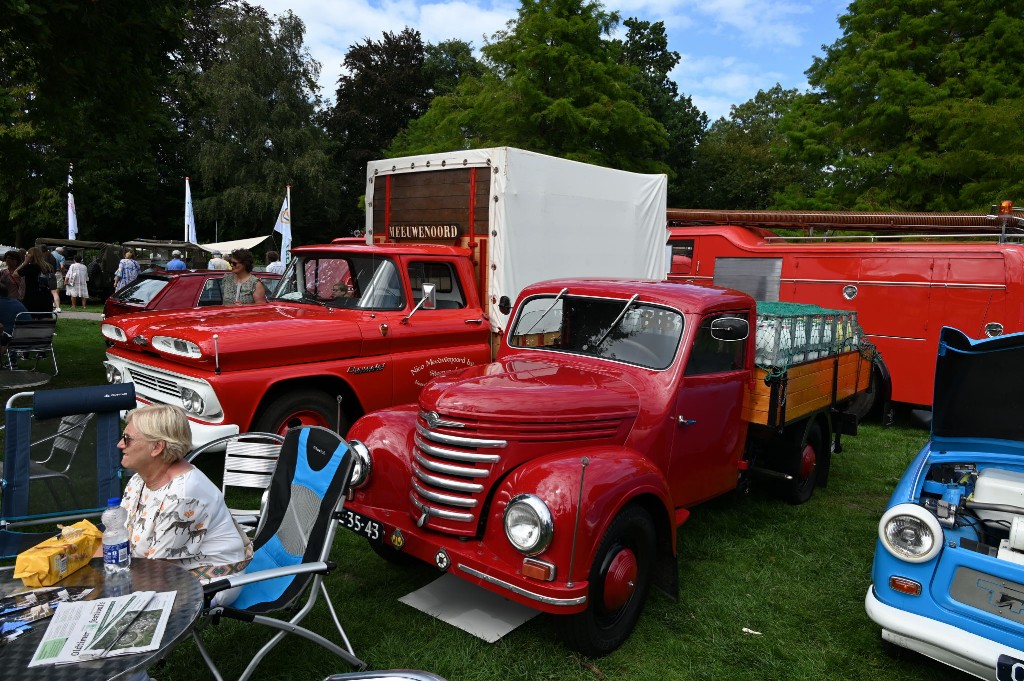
(617,319)
(550,307)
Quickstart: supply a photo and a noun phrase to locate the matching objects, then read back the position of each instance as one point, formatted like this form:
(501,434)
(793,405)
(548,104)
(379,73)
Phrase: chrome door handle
(474,321)
(683,421)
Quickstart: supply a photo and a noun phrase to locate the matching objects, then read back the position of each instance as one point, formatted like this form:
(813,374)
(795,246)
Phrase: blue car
(948,576)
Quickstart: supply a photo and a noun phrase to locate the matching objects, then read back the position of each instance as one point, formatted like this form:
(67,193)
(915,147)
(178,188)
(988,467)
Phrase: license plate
(360,524)
(1009,669)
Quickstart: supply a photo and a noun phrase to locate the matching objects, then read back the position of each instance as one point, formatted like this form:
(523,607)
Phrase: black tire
(864,404)
(301,408)
(600,629)
(806,461)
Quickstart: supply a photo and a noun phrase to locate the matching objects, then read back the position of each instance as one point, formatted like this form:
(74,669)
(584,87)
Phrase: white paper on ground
(469,607)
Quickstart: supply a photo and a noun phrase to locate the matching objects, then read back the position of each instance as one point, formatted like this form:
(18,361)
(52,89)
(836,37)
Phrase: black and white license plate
(360,524)
(1009,669)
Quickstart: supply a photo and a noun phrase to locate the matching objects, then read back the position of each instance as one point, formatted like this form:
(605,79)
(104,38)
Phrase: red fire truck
(915,274)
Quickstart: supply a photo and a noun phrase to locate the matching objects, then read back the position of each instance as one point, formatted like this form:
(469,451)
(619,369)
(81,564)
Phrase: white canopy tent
(226,247)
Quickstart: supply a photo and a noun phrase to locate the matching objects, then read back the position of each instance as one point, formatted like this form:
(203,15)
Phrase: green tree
(250,114)
(918,106)
(646,49)
(554,86)
(741,161)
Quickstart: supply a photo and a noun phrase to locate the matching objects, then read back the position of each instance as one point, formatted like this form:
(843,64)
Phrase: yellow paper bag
(50,561)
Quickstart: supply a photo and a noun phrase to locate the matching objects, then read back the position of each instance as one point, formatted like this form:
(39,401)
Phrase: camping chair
(19,470)
(65,444)
(32,338)
(249,463)
(292,545)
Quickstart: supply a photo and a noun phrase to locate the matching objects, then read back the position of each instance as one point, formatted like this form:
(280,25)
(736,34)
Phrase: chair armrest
(215,587)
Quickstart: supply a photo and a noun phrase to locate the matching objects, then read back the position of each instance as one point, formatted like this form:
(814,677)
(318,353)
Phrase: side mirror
(730,329)
(504,305)
(428,301)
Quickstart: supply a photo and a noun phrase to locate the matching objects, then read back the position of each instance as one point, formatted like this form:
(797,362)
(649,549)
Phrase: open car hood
(978,387)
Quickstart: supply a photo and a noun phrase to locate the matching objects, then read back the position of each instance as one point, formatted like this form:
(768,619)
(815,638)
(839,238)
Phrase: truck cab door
(709,431)
(449,337)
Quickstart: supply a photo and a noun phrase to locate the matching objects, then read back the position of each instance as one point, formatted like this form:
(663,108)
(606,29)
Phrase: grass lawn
(795,574)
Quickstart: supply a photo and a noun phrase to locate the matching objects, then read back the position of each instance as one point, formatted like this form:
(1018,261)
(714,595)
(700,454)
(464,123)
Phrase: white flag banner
(284,226)
(72,218)
(190,218)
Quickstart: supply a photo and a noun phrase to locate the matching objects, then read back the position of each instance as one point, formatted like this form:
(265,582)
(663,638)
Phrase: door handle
(474,321)
(683,421)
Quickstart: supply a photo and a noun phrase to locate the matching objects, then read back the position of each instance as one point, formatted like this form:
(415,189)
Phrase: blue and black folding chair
(77,484)
(292,546)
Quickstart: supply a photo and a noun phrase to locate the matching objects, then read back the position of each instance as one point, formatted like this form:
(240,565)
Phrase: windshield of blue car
(645,335)
(141,291)
(357,281)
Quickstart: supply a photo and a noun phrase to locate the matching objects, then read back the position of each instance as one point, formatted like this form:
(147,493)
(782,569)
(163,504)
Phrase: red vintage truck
(346,331)
(558,475)
(913,274)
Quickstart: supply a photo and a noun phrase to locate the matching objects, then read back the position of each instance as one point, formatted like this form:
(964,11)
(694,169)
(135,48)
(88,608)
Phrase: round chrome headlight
(528,524)
(113,373)
(910,533)
(363,464)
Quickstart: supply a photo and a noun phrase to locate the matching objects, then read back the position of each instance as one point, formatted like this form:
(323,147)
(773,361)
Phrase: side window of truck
(712,356)
(443,276)
(211,294)
(682,256)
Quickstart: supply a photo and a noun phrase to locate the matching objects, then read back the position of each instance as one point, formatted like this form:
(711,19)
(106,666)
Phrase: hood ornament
(140,340)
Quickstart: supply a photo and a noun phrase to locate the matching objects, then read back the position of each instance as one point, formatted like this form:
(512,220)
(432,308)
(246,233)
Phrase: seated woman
(174,511)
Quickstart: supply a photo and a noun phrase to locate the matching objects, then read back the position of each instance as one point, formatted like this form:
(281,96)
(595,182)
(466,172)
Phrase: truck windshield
(647,335)
(365,282)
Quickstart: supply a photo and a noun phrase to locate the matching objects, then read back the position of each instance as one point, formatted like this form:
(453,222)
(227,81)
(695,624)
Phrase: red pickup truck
(558,475)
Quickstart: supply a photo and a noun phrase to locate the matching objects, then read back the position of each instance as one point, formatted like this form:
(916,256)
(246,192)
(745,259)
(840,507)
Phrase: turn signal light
(538,569)
(1006,207)
(905,586)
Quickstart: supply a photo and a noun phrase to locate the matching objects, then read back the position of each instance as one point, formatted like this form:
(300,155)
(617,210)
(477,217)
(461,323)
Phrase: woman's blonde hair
(166,423)
(35,254)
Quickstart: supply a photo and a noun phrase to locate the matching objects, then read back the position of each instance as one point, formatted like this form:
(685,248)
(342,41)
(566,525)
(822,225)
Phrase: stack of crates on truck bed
(792,333)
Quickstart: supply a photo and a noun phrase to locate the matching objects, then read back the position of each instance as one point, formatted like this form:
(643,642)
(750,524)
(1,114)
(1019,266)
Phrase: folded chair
(249,463)
(292,546)
(32,338)
(96,407)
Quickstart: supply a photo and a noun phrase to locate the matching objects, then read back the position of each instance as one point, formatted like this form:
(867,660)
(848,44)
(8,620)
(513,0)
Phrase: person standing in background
(127,271)
(78,277)
(176,263)
(60,268)
(37,274)
(274,264)
(14,282)
(217,262)
(242,287)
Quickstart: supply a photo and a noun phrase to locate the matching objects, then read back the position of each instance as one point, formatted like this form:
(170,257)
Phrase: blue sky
(730,48)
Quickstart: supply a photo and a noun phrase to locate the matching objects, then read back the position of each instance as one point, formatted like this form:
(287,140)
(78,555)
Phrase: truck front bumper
(473,561)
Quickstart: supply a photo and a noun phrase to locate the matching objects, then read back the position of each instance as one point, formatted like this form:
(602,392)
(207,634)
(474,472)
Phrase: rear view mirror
(429,296)
(730,329)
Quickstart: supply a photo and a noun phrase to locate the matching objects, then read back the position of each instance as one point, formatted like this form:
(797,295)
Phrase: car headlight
(114,333)
(192,401)
(910,533)
(363,464)
(528,524)
(177,346)
(113,373)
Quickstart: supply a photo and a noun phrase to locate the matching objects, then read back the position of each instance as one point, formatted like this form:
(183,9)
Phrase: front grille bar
(448,469)
(446,483)
(457,441)
(453,455)
(443,498)
(440,512)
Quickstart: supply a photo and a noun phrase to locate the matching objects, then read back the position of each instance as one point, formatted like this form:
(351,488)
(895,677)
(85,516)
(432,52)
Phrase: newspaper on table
(18,611)
(104,627)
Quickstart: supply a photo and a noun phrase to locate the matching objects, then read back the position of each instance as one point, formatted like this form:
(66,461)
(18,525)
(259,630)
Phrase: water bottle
(117,554)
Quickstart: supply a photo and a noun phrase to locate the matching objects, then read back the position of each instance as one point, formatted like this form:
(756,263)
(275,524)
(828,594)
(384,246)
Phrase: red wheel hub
(302,418)
(620,580)
(808,458)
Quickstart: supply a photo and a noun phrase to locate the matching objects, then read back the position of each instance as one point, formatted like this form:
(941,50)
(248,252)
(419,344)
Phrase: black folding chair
(292,546)
(32,339)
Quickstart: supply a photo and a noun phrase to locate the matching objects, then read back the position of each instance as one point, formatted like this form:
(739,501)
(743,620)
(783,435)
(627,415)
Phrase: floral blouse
(186,520)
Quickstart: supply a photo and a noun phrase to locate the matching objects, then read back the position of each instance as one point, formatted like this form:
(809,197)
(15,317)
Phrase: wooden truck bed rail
(804,388)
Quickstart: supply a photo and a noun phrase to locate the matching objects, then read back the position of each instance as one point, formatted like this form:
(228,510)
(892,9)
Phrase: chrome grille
(448,476)
(154,383)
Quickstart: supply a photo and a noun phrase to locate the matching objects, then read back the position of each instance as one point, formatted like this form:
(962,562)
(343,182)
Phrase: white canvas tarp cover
(555,218)
(225,247)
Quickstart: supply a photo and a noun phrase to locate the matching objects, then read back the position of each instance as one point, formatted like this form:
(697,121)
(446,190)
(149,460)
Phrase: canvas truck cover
(549,218)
